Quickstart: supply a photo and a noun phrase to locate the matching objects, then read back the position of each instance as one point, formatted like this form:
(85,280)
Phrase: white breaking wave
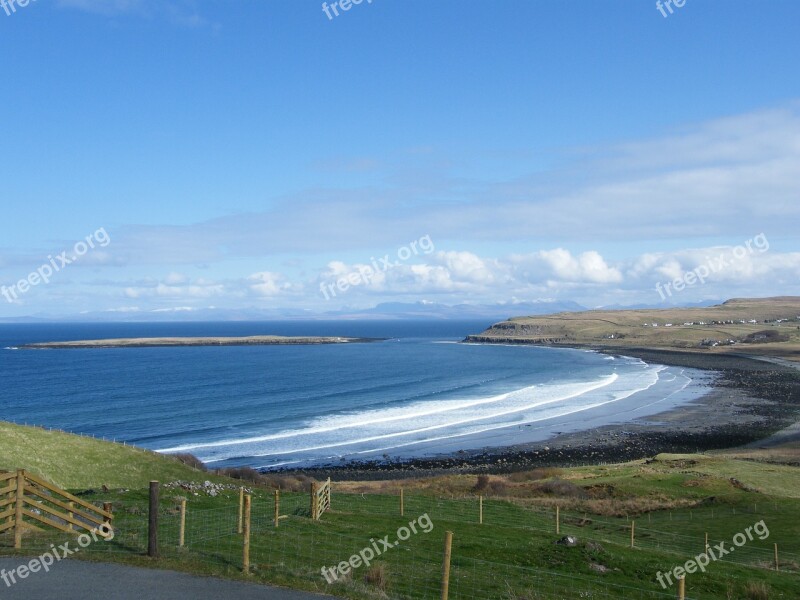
(420,422)
(551,413)
(416,410)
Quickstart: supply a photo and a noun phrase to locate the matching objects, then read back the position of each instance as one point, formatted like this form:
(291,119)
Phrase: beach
(750,400)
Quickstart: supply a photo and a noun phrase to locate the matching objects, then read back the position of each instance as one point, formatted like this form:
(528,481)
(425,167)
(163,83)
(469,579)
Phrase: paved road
(79,580)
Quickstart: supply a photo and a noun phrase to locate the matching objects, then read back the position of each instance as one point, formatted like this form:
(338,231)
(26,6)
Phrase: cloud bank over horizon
(604,229)
(732,179)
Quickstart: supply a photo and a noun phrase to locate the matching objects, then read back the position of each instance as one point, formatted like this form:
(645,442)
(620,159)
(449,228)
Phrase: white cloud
(266,283)
(174,287)
(183,13)
(175,278)
(560,265)
(105,6)
(465,275)
(468,267)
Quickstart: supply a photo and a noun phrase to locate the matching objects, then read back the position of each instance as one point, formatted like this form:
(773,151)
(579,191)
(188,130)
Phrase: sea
(419,392)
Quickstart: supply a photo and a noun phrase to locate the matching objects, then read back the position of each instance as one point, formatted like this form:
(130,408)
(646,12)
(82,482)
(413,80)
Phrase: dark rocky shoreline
(750,400)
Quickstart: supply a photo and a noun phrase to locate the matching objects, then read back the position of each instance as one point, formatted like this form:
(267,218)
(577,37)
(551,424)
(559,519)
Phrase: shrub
(481,484)
(288,483)
(756,590)
(191,460)
(377,576)
(560,488)
(243,473)
(498,487)
(534,475)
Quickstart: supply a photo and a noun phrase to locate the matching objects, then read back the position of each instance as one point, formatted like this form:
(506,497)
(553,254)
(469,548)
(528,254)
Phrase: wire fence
(659,531)
(497,552)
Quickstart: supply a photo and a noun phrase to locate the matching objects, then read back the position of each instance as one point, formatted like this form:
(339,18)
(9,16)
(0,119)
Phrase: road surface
(81,580)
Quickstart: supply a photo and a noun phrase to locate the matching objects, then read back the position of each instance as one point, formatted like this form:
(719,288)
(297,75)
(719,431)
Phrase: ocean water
(419,393)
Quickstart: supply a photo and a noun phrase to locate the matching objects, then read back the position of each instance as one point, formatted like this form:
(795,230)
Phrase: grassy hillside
(662,482)
(623,328)
(674,499)
(75,462)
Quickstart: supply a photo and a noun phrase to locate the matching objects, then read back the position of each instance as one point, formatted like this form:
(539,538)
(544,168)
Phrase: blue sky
(246,153)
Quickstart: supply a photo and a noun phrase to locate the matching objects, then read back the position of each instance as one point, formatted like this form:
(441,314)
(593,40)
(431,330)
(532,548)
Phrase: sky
(183,154)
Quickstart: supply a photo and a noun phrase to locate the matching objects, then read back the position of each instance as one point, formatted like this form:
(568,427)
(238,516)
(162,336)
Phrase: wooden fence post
(706,550)
(277,507)
(246,532)
(633,532)
(109,508)
(448,547)
(558,521)
(314,501)
(152,525)
(480,510)
(241,508)
(19,503)
(71,516)
(777,565)
(182,532)
(402,504)
(682,588)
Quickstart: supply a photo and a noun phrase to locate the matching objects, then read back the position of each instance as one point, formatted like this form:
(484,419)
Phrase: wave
(551,415)
(422,423)
(415,410)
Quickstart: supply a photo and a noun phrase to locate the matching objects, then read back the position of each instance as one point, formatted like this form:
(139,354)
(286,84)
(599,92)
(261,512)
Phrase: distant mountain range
(383,311)
(387,310)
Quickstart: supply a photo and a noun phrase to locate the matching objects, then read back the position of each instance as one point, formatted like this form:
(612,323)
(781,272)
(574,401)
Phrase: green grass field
(674,501)
(75,462)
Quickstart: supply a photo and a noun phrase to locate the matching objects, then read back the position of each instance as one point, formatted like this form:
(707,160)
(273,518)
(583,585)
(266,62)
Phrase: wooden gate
(28,502)
(320,498)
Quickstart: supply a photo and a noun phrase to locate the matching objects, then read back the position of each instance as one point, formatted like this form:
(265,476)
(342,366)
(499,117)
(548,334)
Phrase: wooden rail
(29,502)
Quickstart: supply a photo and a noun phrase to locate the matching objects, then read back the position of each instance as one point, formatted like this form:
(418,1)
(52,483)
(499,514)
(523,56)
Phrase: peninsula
(255,340)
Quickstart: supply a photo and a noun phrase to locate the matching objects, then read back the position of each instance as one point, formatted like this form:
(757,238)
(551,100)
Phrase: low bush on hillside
(190,460)
(756,590)
(560,488)
(534,475)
